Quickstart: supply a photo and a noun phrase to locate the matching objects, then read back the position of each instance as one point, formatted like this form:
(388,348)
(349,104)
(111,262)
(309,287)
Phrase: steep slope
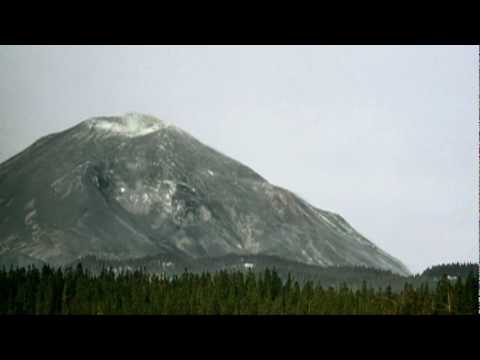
(134,186)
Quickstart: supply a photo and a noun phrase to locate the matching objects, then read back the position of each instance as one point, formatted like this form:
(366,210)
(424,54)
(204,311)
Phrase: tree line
(57,291)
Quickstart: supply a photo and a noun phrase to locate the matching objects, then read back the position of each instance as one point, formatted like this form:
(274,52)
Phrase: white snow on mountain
(129,125)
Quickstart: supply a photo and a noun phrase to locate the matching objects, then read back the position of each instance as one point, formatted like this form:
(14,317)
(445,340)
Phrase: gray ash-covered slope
(134,186)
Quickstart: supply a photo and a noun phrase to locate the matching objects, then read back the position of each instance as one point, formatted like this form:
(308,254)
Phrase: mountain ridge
(132,186)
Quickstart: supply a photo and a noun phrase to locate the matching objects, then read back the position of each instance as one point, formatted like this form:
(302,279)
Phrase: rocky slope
(134,186)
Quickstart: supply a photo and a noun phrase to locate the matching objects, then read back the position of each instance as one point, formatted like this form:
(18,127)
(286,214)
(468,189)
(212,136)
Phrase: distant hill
(452,270)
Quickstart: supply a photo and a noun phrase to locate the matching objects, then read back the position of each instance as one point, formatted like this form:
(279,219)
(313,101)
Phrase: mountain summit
(134,186)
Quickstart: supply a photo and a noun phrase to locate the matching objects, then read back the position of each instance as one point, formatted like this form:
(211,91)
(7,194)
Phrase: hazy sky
(384,135)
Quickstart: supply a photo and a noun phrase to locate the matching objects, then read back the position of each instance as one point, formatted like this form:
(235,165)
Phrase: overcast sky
(386,136)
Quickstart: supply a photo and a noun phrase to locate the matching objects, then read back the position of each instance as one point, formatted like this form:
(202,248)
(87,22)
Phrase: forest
(79,291)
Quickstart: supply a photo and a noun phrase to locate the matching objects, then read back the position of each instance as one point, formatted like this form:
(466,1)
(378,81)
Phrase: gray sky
(384,135)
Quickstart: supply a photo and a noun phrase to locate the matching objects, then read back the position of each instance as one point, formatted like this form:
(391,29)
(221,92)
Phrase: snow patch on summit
(129,125)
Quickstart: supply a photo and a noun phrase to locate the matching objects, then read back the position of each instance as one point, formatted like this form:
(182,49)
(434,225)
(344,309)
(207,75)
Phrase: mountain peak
(130,124)
(132,186)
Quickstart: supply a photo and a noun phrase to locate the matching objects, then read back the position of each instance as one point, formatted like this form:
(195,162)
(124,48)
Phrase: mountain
(133,187)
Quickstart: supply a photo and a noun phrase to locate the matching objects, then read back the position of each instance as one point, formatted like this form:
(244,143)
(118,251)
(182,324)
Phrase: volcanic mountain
(133,187)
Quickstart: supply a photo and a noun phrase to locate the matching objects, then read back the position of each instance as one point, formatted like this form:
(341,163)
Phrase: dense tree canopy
(79,291)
